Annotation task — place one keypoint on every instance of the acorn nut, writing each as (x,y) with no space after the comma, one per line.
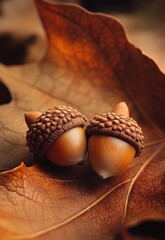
(57,134)
(114,140)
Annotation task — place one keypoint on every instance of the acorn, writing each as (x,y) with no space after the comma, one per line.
(114,139)
(57,135)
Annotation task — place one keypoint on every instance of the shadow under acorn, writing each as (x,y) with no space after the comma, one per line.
(81,173)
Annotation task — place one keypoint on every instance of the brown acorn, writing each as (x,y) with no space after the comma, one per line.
(57,134)
(114,140)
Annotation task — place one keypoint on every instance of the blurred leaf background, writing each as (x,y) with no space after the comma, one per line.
(22,33)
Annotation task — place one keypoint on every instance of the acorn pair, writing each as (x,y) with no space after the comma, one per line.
(62,136)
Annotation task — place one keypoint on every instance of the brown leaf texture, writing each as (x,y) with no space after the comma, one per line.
(90,65)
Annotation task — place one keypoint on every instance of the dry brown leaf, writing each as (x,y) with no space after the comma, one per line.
(89,64)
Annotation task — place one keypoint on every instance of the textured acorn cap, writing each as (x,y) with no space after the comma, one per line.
(118,126)
(50,125)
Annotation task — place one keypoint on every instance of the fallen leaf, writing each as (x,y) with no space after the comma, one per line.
(90,65)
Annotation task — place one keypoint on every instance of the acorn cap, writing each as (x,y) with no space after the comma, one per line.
(50,125)
(119,126)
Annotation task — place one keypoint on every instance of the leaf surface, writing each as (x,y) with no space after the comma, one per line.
(90,65)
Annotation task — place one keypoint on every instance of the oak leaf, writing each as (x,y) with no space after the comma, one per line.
(91,65)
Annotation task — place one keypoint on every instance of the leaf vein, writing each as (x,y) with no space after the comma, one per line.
(72,218)
(136,177)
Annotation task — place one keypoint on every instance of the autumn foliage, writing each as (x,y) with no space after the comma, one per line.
(91,65)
